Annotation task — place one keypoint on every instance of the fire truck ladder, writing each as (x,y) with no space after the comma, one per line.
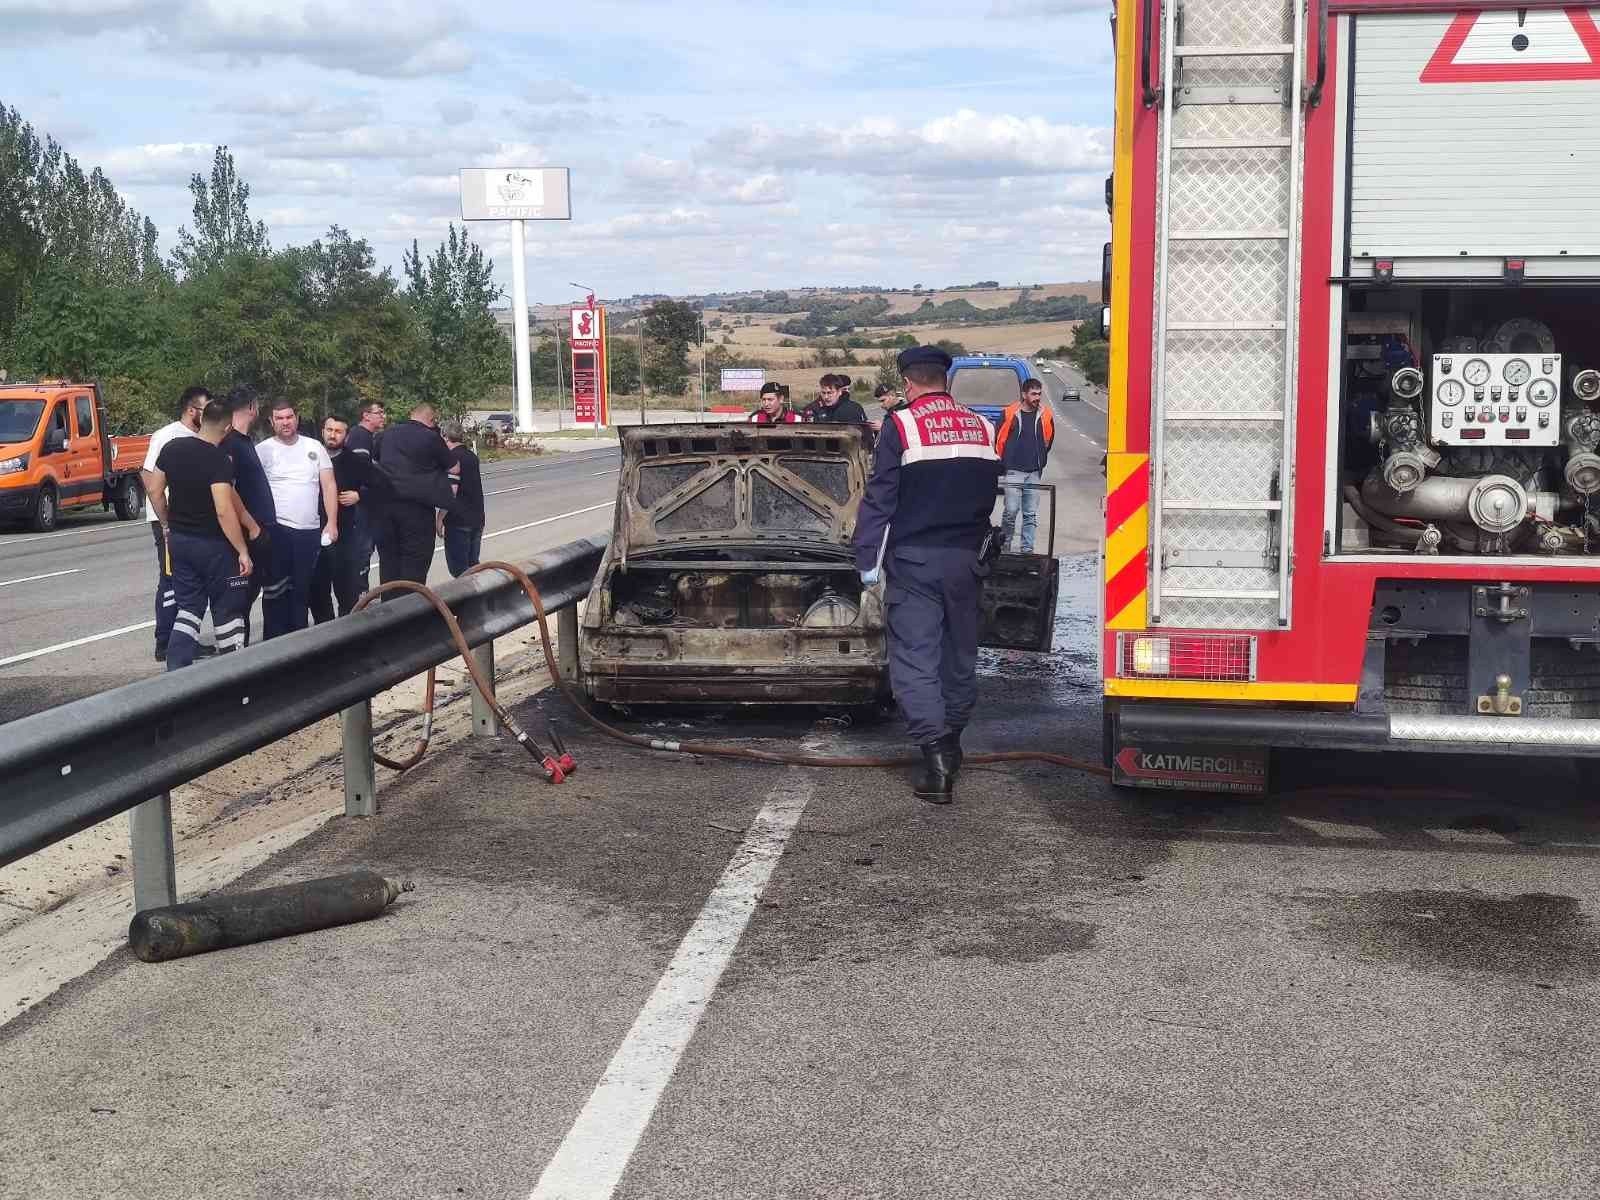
(1222,425)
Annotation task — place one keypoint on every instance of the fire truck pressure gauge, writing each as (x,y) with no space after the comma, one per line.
(1541,392)
(1451,393)
(1476,372)
(1518,372)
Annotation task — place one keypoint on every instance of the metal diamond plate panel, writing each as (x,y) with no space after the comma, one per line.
(1235,122)
(1225,460)
(1231,23)
(1230,189)
(1483,731)
(1217,530)
(1179,613)
(1225,281)
(1224,372)
(1231,73)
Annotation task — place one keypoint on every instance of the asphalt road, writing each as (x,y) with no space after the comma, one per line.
(1382,987)
(703,978)
(92,581)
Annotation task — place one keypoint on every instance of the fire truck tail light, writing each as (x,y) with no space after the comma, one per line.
(1219,658)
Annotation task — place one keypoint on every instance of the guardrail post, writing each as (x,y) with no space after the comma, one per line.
(155,870)
(484,722)
(567,643)
(360,772)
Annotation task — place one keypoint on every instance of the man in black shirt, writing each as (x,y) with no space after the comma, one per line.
(462,526)
(210,564)
(341,572)
(834,406)
(252,492)
(415,468)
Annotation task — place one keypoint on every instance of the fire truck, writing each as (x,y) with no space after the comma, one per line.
(1353,471)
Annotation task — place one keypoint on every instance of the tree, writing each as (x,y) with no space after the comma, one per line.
(54,212)
(889,371)
(671,327)
(623,353)
(222,225)
(460,354)
(1089,352)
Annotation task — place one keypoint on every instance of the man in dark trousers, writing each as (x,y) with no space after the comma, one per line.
(416,466)
(1027,431)
(256,511)
(341,573)
(920,528)
(190,405)
(210,564)
(462,526)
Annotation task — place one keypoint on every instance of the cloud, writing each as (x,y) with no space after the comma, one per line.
(455,110)
(556,91)
(1030,9)
(300,112)
(168,163)
(964,144)
(398,39)
(648,177)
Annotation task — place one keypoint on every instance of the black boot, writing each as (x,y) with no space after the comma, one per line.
(936,782)
(953,740)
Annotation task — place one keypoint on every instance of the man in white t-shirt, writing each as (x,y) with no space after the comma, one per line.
(190,405)
(300,474)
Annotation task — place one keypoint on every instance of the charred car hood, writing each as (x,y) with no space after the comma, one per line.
(739,483)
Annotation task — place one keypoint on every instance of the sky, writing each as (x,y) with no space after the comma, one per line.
(713,146)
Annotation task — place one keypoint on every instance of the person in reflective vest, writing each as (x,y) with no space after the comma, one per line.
(773,408)
(919,530)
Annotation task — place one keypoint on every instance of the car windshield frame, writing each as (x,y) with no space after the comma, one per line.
(13,431)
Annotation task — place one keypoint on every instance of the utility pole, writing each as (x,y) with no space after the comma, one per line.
(519,329)
(702,366)
(640,365)
(561,386)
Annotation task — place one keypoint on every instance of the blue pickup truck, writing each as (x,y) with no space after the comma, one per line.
(988,383)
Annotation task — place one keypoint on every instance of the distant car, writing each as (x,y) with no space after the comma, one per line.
(1070,393)
(1046,371)
(500,423)
(988,383)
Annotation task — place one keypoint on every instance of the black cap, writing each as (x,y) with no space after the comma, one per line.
(771,389)
(924,356)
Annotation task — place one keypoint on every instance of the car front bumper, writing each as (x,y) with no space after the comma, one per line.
(18,501)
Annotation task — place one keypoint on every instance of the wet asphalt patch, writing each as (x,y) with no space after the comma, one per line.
(1533,936)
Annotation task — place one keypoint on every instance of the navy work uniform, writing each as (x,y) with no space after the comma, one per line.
(204,565)
(921,524)
(416,465)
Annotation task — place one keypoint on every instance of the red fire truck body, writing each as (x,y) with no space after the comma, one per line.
(1353,489)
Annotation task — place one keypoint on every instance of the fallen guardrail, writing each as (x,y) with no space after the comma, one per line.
(72,766)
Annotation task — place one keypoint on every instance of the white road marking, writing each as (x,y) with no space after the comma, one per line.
(32,578)
(1337,829)
(1475,837)
(591,1159)
(83,641)
(607,471)
(115,527)
(577,512)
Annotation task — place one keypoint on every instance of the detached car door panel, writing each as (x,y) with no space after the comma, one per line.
(1018,600)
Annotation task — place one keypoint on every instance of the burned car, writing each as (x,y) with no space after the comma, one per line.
(730,579)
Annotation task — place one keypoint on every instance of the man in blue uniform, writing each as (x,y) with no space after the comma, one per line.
(920,527)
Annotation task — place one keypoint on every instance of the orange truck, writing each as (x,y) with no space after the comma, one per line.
(56,455)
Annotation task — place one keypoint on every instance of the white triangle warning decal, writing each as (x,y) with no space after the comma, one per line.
(1519,46)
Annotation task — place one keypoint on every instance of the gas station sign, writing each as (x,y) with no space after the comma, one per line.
(590,400)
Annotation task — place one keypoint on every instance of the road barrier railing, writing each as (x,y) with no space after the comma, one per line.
(73,766)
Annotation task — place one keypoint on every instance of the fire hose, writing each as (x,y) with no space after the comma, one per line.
(559,764)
